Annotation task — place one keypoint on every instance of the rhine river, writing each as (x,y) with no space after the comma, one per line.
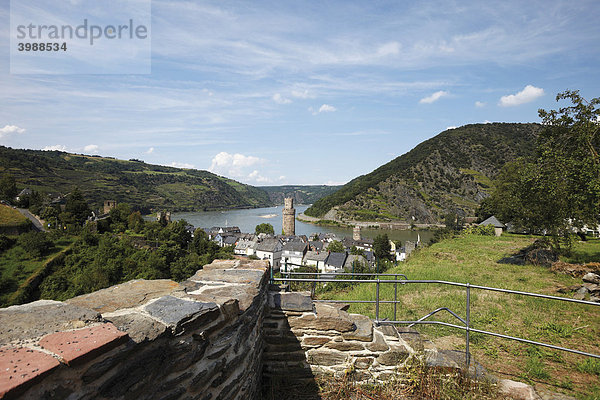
(247,220)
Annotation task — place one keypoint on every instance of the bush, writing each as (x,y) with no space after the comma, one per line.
(483,230)
(36,244)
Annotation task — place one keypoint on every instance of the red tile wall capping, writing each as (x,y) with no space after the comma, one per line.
(83,344)
(20,368)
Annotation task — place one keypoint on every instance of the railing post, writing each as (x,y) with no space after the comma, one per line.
(395,295)
(467,355)
(314,287)
(377,303)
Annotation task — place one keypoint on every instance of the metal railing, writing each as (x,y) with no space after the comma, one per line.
(466,321)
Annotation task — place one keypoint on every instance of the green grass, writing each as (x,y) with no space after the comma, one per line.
(11,217)
(474,259)
(16,266)
(584,252)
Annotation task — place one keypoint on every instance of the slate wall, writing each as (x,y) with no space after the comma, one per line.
(306,339)
(199,339)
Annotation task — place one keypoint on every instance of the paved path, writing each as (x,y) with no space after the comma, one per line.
(37,223)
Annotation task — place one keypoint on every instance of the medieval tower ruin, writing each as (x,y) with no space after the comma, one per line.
(289,217)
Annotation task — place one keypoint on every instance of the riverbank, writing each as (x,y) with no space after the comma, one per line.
(398,225)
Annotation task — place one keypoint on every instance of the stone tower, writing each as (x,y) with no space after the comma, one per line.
(356,233)
(109,205)
(289,217)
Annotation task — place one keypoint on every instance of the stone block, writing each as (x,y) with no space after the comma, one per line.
(20,368)
(592,278)
(379,344)
(125,295)
(345,346)
(40,318)
(246,276)
(363,362)
(326,318)
(517,390)
(83,344)
(325,357)
(315,340)
(139,327)
(224,292)
(363,331)
(395,356)
(176,313)
(291,301)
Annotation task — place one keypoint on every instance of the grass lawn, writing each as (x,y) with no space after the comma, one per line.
(11,217)
(16,266)
(474,259)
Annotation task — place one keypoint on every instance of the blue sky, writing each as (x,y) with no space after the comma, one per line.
(311,92)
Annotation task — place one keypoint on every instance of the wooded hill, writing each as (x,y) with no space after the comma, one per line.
(302,194)
(450,172)
(144,185)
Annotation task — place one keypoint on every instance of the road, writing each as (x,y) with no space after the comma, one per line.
(36,222)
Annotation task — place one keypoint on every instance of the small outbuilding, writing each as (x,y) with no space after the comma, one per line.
(498,226)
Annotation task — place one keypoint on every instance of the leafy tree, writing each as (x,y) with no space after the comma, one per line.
(356,251)
(336,247)
(8,187)
(558,189)
(36,244)
(382,247)
(264,228)
(77,207)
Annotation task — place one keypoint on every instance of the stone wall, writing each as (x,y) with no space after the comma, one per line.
(199,339)
(304,339)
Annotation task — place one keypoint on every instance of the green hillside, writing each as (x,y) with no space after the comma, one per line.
(144,185)
(448,173)
(302,194)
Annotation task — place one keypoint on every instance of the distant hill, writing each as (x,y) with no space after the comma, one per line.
(144,185)
(450,172)
(302,194)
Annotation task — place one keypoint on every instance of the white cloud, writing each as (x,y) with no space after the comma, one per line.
(479,104)
(389,49)
(237,166)
(526,95)
(327,108)
(181,165)
(279,99)
(434,97)
(150,150)
(10,129)
(58,147)
(302,94)
(91,148)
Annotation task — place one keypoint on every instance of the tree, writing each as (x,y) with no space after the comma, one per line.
(382,247)
(558,190)
(8,187)
(77,206)
(264,228)
(336,247)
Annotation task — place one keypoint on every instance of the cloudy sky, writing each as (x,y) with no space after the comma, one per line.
(310,92)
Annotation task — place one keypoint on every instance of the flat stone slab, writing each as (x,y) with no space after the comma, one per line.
(139,327)
(83,344)
(237,264)
(40,318)
(326,318)
(247,276)
(20,368)
(220,294)
(174,312)
(363,331)
(517,390)
(291,301)
(125,295)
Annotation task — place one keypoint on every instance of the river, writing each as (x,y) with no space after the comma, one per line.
(247,219)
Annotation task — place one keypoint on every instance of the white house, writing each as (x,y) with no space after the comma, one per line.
(270,249)
(316,259)
(245,247)
(292,254)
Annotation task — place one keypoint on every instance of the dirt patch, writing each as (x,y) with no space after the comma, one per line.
(575,270)
(445,256)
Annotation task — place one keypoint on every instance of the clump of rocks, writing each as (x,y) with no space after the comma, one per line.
(590,287)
